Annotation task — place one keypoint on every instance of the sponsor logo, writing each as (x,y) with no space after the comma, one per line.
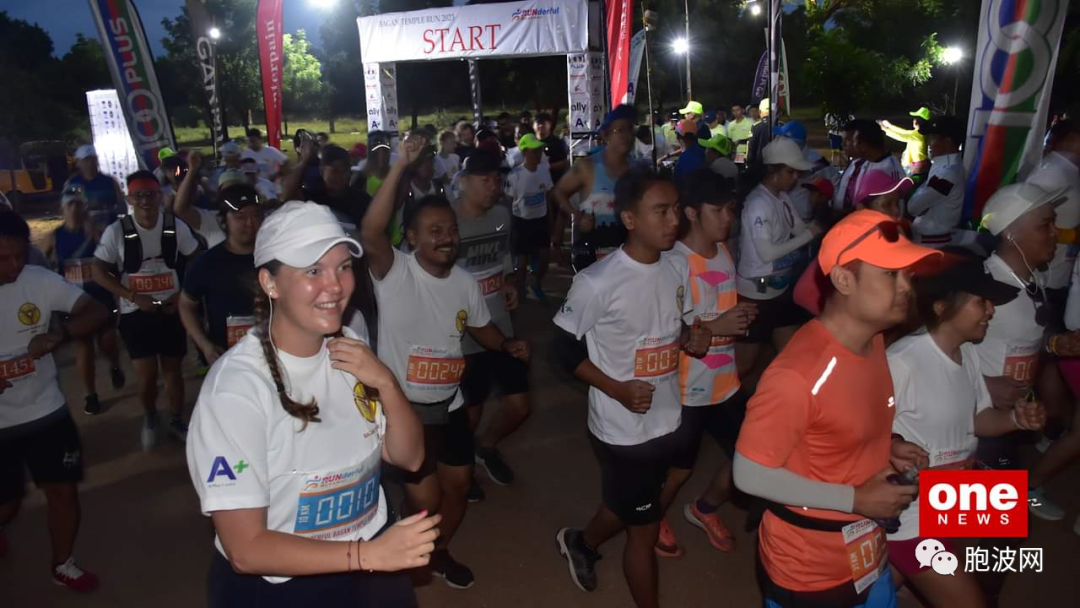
(459,321)
(221,468)
(29,314)
(680,297)
(365,404)
(533,13)
(973,503)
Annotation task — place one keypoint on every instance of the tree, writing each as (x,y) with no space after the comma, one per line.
(301,79)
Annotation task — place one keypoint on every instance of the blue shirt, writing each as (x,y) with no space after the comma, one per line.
(692,159)
(103,205)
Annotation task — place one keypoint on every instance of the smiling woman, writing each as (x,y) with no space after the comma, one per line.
(289,433)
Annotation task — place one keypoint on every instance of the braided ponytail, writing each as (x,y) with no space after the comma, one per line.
(308,412)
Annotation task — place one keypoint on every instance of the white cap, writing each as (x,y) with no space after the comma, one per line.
(299,234)
(230,148)
(1009,203)
(85,151)
(783,151)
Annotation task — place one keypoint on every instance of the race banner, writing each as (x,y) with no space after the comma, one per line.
(619,13)
(783,100)
(268,23)
(204,54)
(637,51)
(1015,58)
(546,27)
(761,79)
(380,91)
(132,69)
(776,15)
(474,93)
(585,81)
(116,156)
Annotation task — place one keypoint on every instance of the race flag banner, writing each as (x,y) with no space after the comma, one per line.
(619,13)
(761,79)
(783,101)
(1015,59)
(204,54)
(268,30)
(112,142)
(380,90)
(585,83)
(637,51)
(552,27)
(132,69)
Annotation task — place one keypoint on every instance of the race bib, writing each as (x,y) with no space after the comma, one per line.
(17,367)
(79,272)
(434,368)
(1021,363)
(655,358)
(952,458)
(237,327)
(337,504)
(492,283)
(154,278)
(865,543)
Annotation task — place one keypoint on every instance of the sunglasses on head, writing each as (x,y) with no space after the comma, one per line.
(889,230)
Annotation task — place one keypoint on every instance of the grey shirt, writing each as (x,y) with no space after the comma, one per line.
(485,253)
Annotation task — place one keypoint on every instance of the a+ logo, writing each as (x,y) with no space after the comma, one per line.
(240,466)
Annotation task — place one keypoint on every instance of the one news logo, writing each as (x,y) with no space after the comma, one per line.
(223,474)
(966,503)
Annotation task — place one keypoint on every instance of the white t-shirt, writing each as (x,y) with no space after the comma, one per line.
(154,278)
(26,306)
(772,218)
(209,228)
(447,166)
(528,190)
(1013,340)
(267,189)
(936,403)
(888,164)
(269,159)
(422,319)
(244,451)
(631,315)
(1057,171)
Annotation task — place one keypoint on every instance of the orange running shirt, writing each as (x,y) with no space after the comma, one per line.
(825,413)
(713,378)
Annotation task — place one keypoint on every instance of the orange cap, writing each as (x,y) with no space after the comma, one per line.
(858,237)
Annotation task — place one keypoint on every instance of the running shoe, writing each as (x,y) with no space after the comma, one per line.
(92,406)
(177,428)
(666,544)
(148,434)
(1042,508)
(456,575)
(117,377)
(719,536)
(476,494)
(496,467)
(73,577)
(579,558)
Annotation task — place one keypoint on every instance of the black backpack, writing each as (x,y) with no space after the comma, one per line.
(133,250)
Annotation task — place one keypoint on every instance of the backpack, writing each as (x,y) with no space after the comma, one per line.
(133,250)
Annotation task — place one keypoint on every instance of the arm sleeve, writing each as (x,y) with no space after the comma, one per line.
(583,307)
(904,135)
(783,486)
(769,251)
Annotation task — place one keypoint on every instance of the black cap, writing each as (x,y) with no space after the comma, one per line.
(967,274)
(949,126)
(238,196)
(481,163)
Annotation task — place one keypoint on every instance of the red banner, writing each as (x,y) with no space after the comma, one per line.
(619,13)
(268,29)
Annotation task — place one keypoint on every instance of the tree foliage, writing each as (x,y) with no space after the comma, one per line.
(302,84)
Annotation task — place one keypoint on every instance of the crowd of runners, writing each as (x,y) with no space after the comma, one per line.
(831,323)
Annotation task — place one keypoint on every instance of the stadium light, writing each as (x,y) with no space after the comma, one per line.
(214,33)
(755,8)
(681,46)
(952,54)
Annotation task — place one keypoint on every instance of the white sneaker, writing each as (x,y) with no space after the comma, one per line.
(148,435)
(1042,508)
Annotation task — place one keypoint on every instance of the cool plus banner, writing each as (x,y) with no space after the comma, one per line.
(557,27)
(132,69)
(268,30)
(1010,96)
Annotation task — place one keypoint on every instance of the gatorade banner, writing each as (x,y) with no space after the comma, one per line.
(619,13)
(268,30)
(503,29)
(204,55)
(132,69)
(1015,59)
(637,52)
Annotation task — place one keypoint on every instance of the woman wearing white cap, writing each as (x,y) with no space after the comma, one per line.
(289,432)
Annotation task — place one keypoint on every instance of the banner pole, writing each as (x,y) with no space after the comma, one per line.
(648,81)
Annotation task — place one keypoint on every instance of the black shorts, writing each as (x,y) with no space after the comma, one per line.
(147,334)
(450,444)
(529,235)
(632,477)
(106,299)
(488,368)
(781,311)
(49,447)
(721,420)
(225,588)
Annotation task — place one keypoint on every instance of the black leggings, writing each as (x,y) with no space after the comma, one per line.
(227,589)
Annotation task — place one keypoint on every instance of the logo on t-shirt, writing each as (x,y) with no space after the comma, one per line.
(680,297)
(459,322)
(221,468)
(29,314)
(367,406)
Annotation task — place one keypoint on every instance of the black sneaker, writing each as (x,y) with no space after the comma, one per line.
(476,494)
(117,377)
(496,467)
(580,559)
(456,575)
(93,406)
